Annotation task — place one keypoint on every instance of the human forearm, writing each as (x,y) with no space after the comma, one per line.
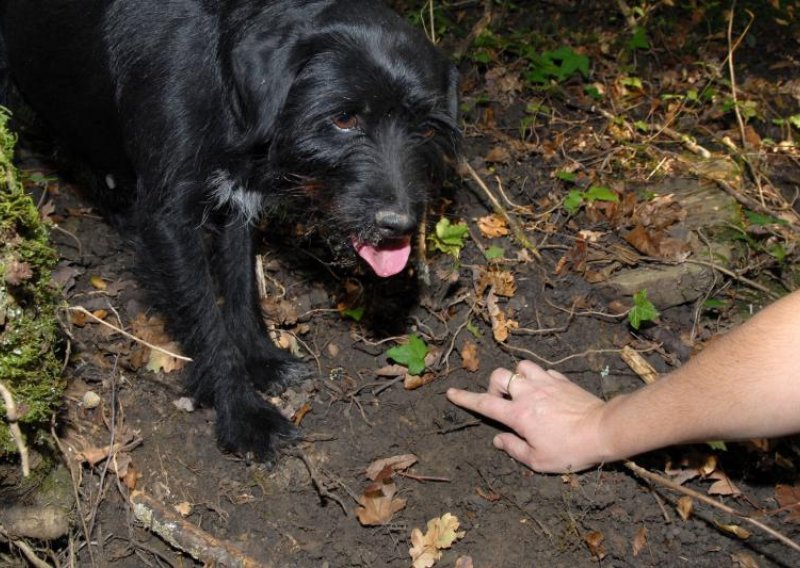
(745,384)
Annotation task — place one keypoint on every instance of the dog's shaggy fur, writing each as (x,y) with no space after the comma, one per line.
(198,115)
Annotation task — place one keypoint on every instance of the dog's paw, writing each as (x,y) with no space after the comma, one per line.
(272,377)
(254,428)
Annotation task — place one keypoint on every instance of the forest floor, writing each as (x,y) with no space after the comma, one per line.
(607,153)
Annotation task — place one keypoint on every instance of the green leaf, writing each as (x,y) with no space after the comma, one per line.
(493,252)
(593,92)
(451,234)
(600,193)
(642,310)
(718,445)
(411,354)
(573,201)
(642,126)
(761,220)
(473,329)
(639,39)
(632,82)
(449,238)
(354,313)
(778,251)
(714,304)
(566,176)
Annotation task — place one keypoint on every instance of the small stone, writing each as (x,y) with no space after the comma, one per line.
(184,403)
(91,399)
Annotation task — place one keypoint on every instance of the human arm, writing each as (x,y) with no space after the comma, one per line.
(745,384)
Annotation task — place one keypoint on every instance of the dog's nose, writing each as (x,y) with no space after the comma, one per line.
(394,222)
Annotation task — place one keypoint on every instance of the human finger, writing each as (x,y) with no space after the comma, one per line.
(488,405)
(498,381)
(515,447)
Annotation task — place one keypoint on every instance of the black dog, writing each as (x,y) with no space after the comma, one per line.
(216,111)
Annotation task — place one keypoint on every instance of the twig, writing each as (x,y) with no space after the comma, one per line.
(549,363)
(655,478)
(318,485)
(13,426)
(639,364)
(27,551)
(461,426)
(187,537)
(516,229)
(423,478)
(732,274)
(87,313)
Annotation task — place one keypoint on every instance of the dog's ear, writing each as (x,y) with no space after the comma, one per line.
(262,72)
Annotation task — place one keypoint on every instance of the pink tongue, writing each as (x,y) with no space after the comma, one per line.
(386,259)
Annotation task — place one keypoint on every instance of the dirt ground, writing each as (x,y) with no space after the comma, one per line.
(564,313)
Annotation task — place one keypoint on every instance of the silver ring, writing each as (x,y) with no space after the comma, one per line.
(511,378)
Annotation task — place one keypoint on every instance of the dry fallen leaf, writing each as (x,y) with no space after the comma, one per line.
(501,281)
(685,507)
(184,509)
(498,154)
(493,226)
(378,504)
(594,540)
(395,463)
(151,329)
(788,498)
(723,485)
(98,283)
(411,382)
(639,541)
(464,562)
(501,324)
(469,356)
(735,530)
(426,548)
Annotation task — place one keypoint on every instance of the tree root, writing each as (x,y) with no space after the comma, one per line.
(187,537)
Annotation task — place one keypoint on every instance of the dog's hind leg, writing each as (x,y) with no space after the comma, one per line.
(270,368)
(176,268)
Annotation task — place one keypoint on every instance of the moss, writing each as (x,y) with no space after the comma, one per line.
(28,303)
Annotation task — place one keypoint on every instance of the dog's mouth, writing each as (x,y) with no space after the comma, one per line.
(387,257)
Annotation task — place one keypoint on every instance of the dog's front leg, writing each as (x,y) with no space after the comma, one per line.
(177,271)
(270,368)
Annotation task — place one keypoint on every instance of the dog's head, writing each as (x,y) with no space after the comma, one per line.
(354,111)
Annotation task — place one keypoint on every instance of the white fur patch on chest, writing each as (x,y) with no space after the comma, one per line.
(226,193)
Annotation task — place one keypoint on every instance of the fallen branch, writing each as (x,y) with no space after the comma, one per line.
(13,426)
(516,229)
(655,478)
(187,537)
(87,313)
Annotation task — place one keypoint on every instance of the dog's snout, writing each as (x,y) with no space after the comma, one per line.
(394,222)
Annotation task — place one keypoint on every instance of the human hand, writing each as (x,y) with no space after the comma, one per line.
(557,423)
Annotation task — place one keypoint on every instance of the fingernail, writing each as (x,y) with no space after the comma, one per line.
(498,443)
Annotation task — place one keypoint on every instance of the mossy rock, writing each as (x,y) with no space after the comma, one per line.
(28,303)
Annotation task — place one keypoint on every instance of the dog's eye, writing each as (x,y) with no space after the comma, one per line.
(426,132)
(345,121)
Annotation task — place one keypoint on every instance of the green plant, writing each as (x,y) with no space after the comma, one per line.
(410,354)
(643,310)
(449,238)
(577,198)
(556,65)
